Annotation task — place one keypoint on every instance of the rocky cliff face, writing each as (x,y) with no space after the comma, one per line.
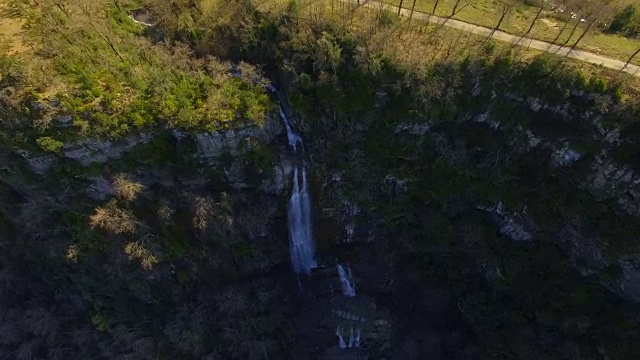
(408,213)
(470,208)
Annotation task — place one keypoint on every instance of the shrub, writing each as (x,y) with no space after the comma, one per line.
(114,219)
(598,85)
(490,47)
(387,18)
(126,188)
(49,144)
(580,80)
(137,250)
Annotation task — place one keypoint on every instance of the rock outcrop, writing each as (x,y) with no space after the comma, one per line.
(92,151)
(212,145)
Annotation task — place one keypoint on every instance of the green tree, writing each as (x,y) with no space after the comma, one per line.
(626,22)
(49,144)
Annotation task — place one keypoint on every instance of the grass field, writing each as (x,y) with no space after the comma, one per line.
(487,13)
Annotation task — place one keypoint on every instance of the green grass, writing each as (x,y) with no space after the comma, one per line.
(487,13)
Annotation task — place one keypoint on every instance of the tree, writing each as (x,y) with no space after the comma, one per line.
(574,7)
(595,12)
(626,21)
(543,4)
(413,7)
(630,59)
(458,6)
(506,6)
(435,6)
(400,6)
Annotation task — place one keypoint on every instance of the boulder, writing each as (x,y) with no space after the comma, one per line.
(586,253)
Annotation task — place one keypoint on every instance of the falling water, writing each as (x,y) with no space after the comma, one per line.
(294,139)
(299,214)
(301,241)
(354,338)
(348,285)
(342,344)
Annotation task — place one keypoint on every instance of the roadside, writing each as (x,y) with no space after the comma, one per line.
(518,40)
(550,26)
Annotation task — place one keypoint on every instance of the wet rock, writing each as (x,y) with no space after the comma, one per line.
(280,177)
(350,211)
(100,189)
(64,121)
(179,134)
(515,226)
(477,90)
(611,180)
(565,156)
(532,140)
(39,164)
(413,128)
(486,118)
(534,104)
(630,282)
(586,253)
(381,98)
(395,186)
(236,175)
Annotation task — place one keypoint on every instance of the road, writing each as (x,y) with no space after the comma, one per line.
(503,36)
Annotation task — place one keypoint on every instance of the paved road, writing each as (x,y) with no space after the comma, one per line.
(503,36)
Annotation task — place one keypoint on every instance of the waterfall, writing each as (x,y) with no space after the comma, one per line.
(348,285)
(299,215)
(294,139)
(354,338)
(301,241)
(342,344)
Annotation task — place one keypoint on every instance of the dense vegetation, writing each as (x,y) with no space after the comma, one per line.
(626,22)
(180,262)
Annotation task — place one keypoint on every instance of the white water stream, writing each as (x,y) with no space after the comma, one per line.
(301,242)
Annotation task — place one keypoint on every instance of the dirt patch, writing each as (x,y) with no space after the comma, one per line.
(550,23)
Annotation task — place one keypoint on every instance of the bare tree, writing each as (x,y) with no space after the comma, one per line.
(413,7)
(597,11)
(458,6)
(543,4)
(569,6)
(435,6)
(630,59)
(506,6)
(400,6)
